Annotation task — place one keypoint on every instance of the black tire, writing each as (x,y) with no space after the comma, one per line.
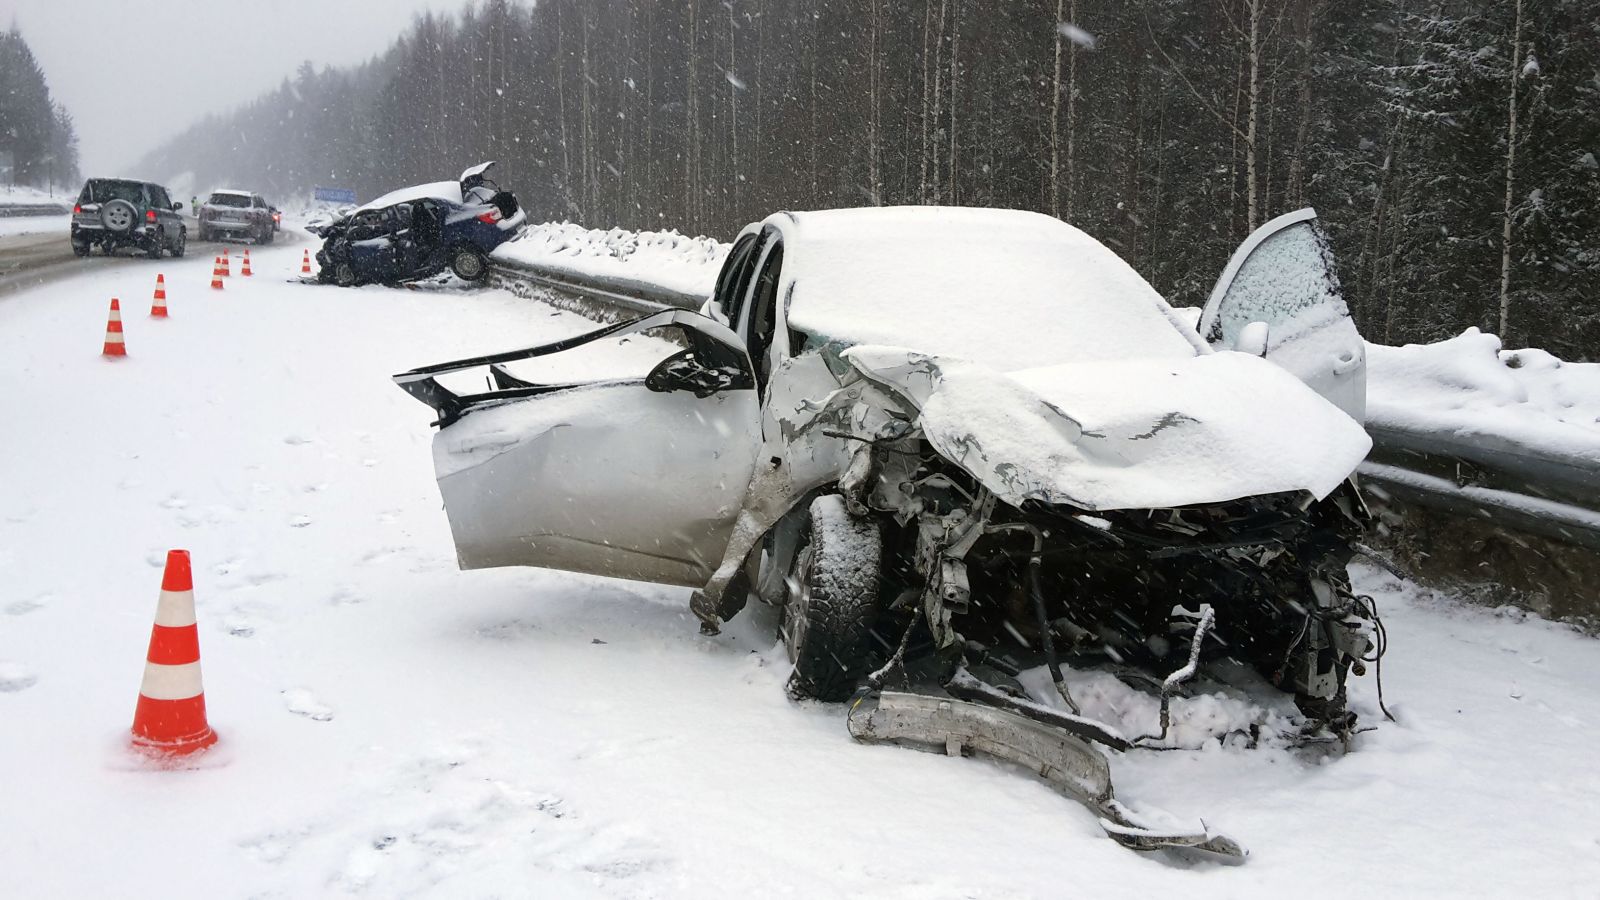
(344,274)
(153,249)
(181,244)
(80,249)
(832,601)
(266,236)
(468,263)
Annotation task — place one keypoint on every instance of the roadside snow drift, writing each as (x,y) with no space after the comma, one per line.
(685,265)
(1469,387)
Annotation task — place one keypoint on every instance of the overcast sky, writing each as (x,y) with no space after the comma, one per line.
(133,72)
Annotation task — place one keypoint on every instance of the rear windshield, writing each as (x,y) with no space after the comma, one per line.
(229,200)
(103,191)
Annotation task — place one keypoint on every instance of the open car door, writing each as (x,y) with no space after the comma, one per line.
(637,478)
(1279,297)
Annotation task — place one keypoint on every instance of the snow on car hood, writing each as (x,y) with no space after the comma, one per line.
(448,191)
(1126,434)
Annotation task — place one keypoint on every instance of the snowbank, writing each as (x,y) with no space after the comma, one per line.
(1467,387)
(681,264)
(56,222)
(20,195)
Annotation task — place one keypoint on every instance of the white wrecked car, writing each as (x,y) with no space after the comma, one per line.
(964,435)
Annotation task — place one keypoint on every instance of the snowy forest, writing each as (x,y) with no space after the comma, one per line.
(36,133)
(1449,145)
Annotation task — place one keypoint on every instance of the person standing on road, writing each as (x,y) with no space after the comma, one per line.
(194,206)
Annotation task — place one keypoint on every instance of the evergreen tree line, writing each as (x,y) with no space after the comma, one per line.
(35,131)
(1449,145)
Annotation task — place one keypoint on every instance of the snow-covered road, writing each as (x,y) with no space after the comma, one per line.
(394,727)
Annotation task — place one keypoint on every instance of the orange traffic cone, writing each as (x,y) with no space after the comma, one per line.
(216,275)
(305,263)
(114,345)
(227,267)
(158,308)
(171,715)
(244,268)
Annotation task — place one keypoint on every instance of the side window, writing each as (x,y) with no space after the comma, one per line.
(158,197)
(764,314)
(735,274)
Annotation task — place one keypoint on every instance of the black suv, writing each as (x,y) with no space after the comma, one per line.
(117,212)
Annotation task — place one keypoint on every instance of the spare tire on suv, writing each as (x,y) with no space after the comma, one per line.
(119,212)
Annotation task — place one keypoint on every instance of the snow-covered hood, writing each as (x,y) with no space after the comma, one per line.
(1126,434)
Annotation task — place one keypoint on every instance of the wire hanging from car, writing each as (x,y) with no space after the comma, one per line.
(1380,648)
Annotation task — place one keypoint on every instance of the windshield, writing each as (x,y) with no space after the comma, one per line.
(103,191)
(229,200)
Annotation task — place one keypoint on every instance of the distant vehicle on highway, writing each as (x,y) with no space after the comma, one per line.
(237,214)
(118,212)
(418,232)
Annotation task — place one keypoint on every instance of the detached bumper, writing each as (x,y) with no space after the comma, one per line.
(1069,765)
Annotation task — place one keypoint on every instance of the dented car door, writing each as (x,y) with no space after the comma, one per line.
(637,478)
(1279,297)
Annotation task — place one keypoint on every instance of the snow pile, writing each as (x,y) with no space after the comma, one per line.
(14,225)
(1470,388)
(676,262)
(21,195)
(1203,715)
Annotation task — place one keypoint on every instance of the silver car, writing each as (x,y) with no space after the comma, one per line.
(956,435)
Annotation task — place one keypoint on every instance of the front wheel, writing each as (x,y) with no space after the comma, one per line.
(154,250)
(344,274)
(468,264)
(831,601)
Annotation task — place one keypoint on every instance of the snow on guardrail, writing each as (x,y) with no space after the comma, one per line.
(662,267)
(1470,391)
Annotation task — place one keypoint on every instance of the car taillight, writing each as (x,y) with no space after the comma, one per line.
(490,217)
(77,208)
(149,215)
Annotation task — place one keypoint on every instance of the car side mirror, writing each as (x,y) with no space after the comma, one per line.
(683,371)
(177,206)
(1252,339)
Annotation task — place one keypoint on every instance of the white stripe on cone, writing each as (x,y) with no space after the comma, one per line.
(171,682)
(114,337)
(175,609)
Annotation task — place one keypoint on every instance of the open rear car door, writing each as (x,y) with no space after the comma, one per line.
(637,478)
(1280,298)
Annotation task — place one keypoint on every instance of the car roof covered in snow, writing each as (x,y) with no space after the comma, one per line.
(236,193)
(1007,288)
(448,191)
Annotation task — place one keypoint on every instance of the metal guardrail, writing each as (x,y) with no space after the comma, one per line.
(34,209)
(624,295)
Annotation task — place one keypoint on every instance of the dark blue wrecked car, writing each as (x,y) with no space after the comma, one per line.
(418,232)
